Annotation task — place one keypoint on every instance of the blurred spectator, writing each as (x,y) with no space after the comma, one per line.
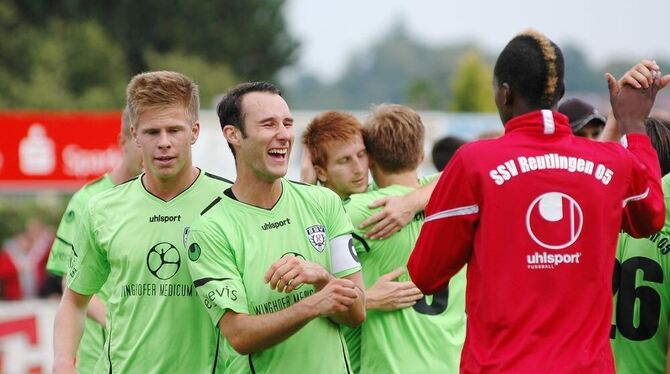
(586,121)
(23,260)
(444,149)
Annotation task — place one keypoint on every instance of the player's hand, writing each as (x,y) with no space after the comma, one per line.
(398,211)
(336,297)
(640,76)
(388,295)
(307,171)
(290,272)
(630,105)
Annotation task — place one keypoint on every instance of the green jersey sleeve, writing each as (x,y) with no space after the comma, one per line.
(61,250)
(344,260)
(214,271)
(89,269)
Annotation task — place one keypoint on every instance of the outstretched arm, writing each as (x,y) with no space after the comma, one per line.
(398,211)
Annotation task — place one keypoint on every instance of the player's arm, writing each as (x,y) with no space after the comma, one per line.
(96,308)
(445,242)
(252,333)
(644,208)
(387,294)
(288,273)
(68,329)
(398,211)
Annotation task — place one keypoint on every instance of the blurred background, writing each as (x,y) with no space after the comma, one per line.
(64,66)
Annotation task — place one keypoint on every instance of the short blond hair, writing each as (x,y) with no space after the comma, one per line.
(161,90)
(393,137)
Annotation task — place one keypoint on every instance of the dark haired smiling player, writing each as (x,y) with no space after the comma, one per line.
(273,260)
(535,215)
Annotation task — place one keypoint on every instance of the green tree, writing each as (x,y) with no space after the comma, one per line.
(472,89)
(249,36)
(212,78)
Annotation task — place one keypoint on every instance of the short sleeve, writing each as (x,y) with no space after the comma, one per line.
(214,271)
(344,260)
(61,250)
(89,267)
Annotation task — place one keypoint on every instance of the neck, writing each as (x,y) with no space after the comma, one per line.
(407,178)
(121,173)
(168,188)
(253,190)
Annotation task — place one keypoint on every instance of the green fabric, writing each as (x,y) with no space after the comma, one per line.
(92,341)
(136,242)
(642,300)
(232,247)
(409,340)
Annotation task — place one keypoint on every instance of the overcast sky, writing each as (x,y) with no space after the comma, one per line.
(331,30)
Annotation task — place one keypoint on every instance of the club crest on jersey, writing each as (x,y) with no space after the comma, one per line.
(317,237)
(185,237)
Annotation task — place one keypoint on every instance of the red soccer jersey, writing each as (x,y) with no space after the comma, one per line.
(535,214)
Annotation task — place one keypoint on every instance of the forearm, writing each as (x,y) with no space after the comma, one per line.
(96,311)
(68,329)
(355,314)
(421,195)
(252,333)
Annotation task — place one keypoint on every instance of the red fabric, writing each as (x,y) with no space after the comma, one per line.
(527,312)
(9,278)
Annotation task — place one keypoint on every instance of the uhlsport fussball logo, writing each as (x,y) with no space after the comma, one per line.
(554,220)
(163,260)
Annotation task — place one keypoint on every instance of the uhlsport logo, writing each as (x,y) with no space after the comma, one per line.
(554,220)
(317,237)
(163,260)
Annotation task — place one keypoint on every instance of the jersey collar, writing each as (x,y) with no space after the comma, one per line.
(540,122)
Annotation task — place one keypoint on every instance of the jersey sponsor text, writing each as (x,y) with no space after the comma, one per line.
(546,260)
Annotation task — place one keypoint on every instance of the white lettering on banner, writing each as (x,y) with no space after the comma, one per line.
(26,335)
(550,161)
(81,162)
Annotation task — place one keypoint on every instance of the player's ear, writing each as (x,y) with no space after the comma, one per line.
(133,134)
(232,134)
(320,174)
(195,132)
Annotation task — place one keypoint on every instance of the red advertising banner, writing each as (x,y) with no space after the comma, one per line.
(42,150)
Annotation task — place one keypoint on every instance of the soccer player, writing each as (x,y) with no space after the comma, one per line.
(133,235)
(428,337)
(639,333)
(641,286)
(339,161)
(335,156)
(535,215)
(61,255)
(273,260)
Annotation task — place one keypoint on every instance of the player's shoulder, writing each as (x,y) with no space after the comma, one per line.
(309,192)
(216,179)
(110,196)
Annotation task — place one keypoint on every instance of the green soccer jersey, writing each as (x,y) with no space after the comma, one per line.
(234,244)
(642,299)
(91,345)
(425,338)
(136,242)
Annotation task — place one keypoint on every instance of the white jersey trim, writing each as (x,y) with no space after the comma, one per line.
(548,119)
(461,211)
(635,198)
(343,254)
